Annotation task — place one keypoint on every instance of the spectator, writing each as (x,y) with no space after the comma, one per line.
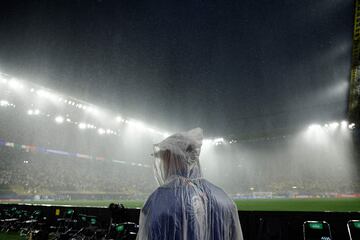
(186,206)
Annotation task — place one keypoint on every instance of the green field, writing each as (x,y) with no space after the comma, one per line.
(314,204)
(10,236)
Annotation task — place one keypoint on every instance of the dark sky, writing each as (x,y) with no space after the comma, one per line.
(231,67)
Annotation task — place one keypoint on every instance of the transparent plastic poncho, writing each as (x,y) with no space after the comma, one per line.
(186,206)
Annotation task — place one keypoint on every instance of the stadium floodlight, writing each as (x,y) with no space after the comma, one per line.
(4,103)
(344,124)
(252,188)
(14,84)
(218,141)
(46,94)
(33,112)
(352,126)
(207,141)
(119,119)
(92,110)
(118,161)
(52,95)
(59,119)
(101,131)
(294,187)
(3,80)
(314,127)
(136,124)
(334,125)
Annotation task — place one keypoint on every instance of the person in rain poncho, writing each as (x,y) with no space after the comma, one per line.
(186,206)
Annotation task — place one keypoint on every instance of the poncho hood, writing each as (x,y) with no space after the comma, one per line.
(178,156)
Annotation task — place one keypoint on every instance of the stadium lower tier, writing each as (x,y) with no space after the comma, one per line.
(117,222)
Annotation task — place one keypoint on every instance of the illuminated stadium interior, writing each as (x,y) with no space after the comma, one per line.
(105,148)
(124,120)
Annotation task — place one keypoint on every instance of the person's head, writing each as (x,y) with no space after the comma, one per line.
(178,155)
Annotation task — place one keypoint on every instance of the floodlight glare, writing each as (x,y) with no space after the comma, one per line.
(101,131)
(344,124)
(218,141)
(59,119)
(207,141)
(151,130)
(314,127)
(30,112)
(4,103)
(334,125)
(352,126)
(14,84)
(3,80)
(46,94)
(119,119)
(82,125)
(138,125)
(92,110)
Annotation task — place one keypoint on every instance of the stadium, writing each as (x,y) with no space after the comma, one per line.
(68,166)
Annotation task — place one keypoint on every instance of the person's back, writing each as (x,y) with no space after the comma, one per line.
(186,206)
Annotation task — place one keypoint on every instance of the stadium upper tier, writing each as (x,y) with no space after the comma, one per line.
(73,111)
(39,99)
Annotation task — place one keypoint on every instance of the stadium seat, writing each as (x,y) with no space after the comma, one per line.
(353,227)
(316,230)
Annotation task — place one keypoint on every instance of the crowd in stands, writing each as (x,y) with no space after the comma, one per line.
(46,174)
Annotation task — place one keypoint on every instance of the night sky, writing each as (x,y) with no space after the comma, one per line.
(230,67)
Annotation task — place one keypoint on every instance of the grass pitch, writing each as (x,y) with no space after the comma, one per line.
(307,205)
(10,236)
